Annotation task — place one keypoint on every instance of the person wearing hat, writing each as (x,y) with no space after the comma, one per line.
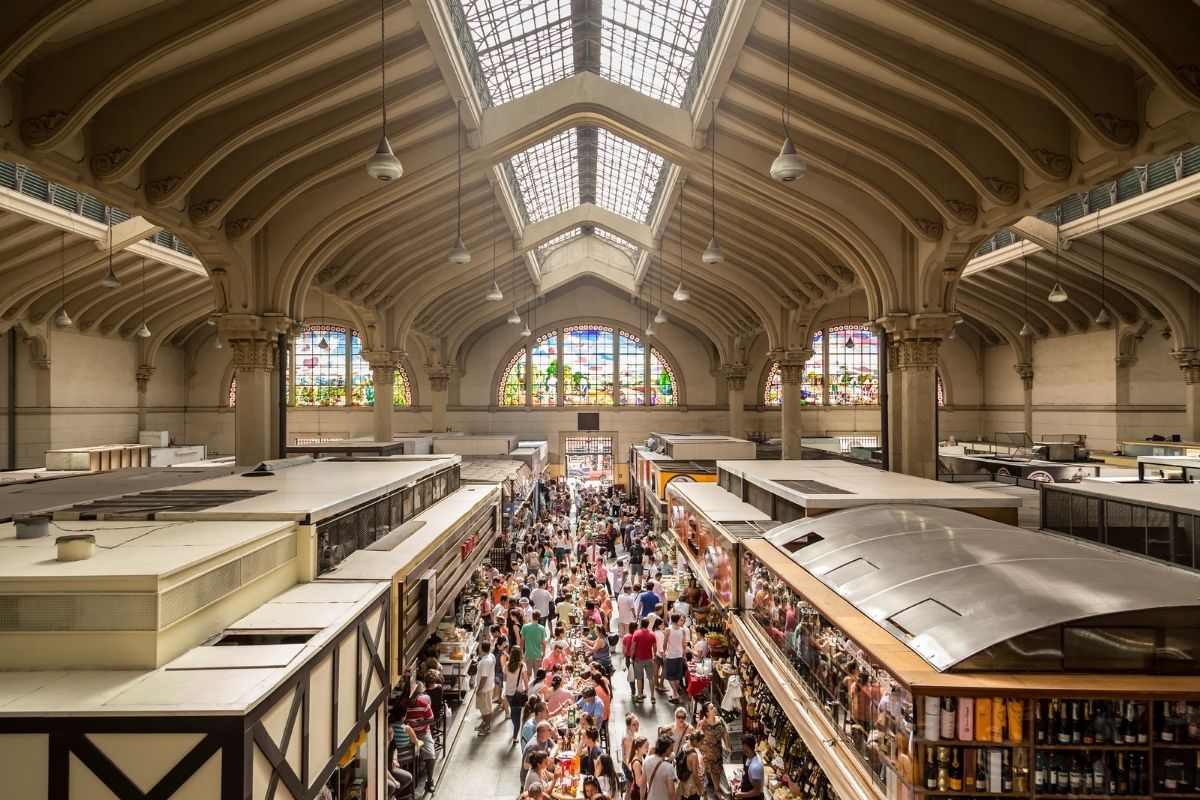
(526,609)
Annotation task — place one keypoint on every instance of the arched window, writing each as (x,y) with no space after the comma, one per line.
(843,369)
(588,364)
(325,359)
(231,398)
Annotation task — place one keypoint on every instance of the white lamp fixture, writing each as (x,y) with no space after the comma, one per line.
(953,334)
(1026,329)
(788,166)
(459,254)
(650,329)
(681,294)
(143,332)
(525,332)
(217,343)
(494,295)
(713,254)
(660,318)
(514,318)
(383,164)
(1103,318)
(63,319)
(1057,294)
(110,279)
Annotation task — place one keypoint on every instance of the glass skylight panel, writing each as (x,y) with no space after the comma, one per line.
(521,46)
(650,46)
(620,241)
(547,176)
(627,176)
(550,245)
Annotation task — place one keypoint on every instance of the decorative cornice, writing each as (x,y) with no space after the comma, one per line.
(735,376)
(965,212)
(439,377)
(143,377)
(1056,164)
(1189,362)
(157,191)
(1123,131)
(107,163)
(1025,371)
(38,129)
(204,210)
(237,228)
(791,364)
(929,227)
(1007,191)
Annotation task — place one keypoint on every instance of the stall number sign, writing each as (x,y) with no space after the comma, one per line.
(468,546)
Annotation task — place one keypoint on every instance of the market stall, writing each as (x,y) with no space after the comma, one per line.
(925,652)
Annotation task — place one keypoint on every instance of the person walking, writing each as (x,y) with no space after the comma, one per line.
(485,684)
(674,646)
(689,769)
(643,661)
(516,689)
(533,636)
(713,747)
(659,773)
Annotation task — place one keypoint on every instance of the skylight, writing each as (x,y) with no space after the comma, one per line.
(547,177)
(620,242)
(651,46)
(586,165)
(629,247)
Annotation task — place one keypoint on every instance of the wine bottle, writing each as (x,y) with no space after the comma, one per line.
(1162,719)
(1064,724)
(1039,773)
(1076,724)
(1170,775)
(1086,720)
(956,771)
(966,719)
(1099,783)
(1135,774)
(931,782)
(947,718)
(1100,722)
(980,772)
(1006,775)
(1111,775)
(1193,725)
(1141,724)
(1075,777)
(1122,775)
(983,719)
(1039,721)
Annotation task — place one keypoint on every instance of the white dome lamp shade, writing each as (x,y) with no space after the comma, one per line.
(788,166)
(63,319)
(494,295)
(660,318)
(514,318)
(681,294)
(459,254)
(383,164)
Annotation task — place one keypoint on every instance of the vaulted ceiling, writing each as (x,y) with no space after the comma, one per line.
(583,126)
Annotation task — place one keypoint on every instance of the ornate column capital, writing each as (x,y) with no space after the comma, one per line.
(439,377)
(928,325)
(143,377)
(791,364)
(254,338)
(1025,370)
(915,353)
(735,376)
(382,358)
(1189,362)
(254,354)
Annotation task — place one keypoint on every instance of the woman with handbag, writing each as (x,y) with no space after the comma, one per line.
(516,689)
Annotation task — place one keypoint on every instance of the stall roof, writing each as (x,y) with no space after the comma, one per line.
(949,584)
(1181,497)
(494,470)
(840,484)
(206,680)
(717,504)
(311,492)
(64,489)
(438,519)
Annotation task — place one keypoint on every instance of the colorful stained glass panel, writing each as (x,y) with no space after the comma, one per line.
(662,381)
(512,382)
(632,366)
(543,370)
(853,365)
(320,376)
(587,365)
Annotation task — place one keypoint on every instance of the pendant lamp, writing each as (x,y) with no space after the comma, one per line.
(322,343)
(513,317)
(110,279)
(681,295)
(525,332)
(788,166)
(143,332)
(217,343)
(383,164)
(1103,318)
(713,254)
(649,325)
(1026,329)
(660,318)
(494,295)
(1058,294)
(849,343)
(459,254)
(63,319)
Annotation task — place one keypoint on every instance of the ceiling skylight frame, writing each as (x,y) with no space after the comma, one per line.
(546,176)
(627,176)
(517,47)
(651,46)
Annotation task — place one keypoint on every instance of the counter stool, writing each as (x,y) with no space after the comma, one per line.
(406,759)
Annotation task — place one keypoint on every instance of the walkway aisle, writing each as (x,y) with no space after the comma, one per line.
(487,768)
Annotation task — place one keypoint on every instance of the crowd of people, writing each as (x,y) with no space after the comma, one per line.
(583,601)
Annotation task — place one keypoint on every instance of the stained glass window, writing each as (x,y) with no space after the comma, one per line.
(662,381)
(814,373)
(232,398)
(632,366)
(401,388)
(320,372)
(853,357)
(587,365)
(512,382)
(362,384)
(544,370)
(773,390)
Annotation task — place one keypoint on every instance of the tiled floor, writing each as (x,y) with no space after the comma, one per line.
(488,768)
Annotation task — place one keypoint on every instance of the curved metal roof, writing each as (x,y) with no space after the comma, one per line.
(950,584)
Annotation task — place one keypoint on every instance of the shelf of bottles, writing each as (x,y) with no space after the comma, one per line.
(1076,748)
(793,765)
(871,711)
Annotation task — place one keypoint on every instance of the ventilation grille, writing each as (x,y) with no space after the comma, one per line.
(84,612)
(814,487)
(206,589)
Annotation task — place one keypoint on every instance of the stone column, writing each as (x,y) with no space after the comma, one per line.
(1025,370)
(895,411)
(916,360)
(735,382)
(791,375)
(383,377)
(254,342)
(1189,363)
(439,383)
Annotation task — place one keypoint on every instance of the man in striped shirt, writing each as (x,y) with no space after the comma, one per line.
(418,715)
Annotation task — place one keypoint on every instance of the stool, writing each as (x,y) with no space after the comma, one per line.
(406,759)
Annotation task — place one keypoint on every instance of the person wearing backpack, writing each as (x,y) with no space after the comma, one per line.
(689,770)
(659,773)
(635,560)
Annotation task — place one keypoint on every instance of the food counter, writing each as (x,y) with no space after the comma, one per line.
(927,653)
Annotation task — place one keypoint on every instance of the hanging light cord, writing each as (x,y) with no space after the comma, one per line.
(681,234)
(1025,301)
(1057,246)
(143,291)
(62,264)
(712,167)
(494,240)
(1102,267)
(382,67)
(786,115)
(460,126)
